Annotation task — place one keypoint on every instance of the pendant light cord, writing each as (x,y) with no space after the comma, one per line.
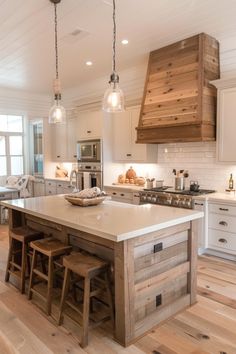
(114,37)
(56,46)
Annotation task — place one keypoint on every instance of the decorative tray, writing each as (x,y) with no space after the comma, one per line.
(85,201)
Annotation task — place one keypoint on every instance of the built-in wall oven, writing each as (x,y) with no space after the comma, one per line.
(87,175)
(89,151)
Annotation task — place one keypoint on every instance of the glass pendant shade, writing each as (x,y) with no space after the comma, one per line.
(113,100)
(57,113)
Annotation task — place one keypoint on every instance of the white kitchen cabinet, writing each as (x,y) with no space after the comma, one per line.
(202,223)
(124,194)
(72,137)
(39,188)
(59,142)
(222,227)
(50,187)
(63,187)
(226,122)
(124,136)
(89,125)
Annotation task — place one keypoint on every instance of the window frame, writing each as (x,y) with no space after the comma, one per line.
(7,135)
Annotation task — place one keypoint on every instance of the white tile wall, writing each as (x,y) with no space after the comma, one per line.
(199,159)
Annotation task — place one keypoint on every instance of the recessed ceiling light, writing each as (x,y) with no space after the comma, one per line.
(124,41)
(89,63)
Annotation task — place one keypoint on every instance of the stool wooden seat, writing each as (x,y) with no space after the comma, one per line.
(86,267)
(51,248)
(19,239)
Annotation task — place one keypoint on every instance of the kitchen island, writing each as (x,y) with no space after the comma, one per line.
(152,249)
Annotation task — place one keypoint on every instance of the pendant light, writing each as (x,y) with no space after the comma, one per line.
(113,100)
(57,113)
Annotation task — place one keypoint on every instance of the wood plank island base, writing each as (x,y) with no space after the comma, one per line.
(152,249)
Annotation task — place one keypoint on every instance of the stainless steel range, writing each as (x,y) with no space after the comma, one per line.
(169,196)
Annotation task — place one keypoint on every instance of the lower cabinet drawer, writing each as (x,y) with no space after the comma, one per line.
(222,222)
(50,190)
(68,189)
(222,241)
(223,209)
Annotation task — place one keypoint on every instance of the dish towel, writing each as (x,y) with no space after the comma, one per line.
(86,176)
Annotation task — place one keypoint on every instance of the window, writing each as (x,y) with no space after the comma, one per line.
(11,145)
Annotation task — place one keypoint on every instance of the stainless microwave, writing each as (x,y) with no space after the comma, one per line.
(89,150)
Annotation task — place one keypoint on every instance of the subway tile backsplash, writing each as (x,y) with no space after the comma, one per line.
(199,158)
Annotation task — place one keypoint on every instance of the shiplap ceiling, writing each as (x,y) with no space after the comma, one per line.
(27,41)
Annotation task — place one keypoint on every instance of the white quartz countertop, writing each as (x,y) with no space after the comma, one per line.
(110,220)
(8,190)
(125,187)
(58,179)
(224,197)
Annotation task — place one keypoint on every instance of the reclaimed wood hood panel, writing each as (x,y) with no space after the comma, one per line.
(179,104)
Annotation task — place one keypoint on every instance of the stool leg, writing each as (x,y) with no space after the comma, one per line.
(65,289)
(50,285)
(23,266)
(84,340)
(7,275)
(34,259)
(109,294)
(43,263)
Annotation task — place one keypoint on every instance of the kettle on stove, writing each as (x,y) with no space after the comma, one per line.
(194,186)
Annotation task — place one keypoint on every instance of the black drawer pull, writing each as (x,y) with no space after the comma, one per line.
(114,193)
(88,131)
(222,240)
(158,247)
(223,223)
(158,300)
(122,195)
(74,155)
(198,203)
(223,209)
(58,156)
(128,155)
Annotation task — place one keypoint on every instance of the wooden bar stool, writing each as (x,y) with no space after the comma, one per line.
(87,267)
(53,249)
(19,239)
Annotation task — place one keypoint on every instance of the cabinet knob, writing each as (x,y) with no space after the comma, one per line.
(128,155)
(74,155)
(223,223)
(222,240)
(58,156)
(224,209)
(114,193)
(88,131)
(122,195)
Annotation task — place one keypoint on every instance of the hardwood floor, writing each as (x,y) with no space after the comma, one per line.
(207,327)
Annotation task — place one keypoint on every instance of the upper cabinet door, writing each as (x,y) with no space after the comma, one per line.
(226,127)
(139,151)
(59,142)
(122,144)
(72,140)
(124,139)
(89,125)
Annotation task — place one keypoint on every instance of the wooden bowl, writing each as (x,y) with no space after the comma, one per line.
(85,201)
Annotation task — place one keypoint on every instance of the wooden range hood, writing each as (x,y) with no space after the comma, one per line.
(179,104)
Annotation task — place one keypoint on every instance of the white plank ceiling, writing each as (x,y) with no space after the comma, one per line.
(27,47)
